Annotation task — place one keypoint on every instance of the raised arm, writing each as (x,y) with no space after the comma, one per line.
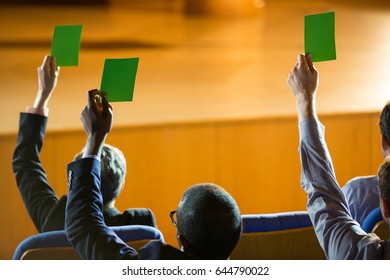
(84,224)
(339,235)
(303,82)
(47,80)
(38,196)
(97,121)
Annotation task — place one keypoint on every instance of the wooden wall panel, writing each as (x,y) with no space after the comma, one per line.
(11,205)
(66,146)
(15,222)
(350,144)
(260,161)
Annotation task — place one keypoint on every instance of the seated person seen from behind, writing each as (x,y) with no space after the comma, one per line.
(362,193)
(208,224)
(45,209)
(339,235)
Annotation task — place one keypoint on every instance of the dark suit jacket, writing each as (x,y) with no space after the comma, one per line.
(45,209)
(85,226)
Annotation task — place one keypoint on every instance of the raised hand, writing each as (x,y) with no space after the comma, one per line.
(303,82)
(97,121)
(48,74)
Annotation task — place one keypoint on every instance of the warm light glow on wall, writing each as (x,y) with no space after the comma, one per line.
(259,3)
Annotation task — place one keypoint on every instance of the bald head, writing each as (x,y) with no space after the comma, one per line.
(209,219)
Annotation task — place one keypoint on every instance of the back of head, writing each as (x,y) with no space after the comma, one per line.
(112,174)
(384,179)
(209,219)
(384,121)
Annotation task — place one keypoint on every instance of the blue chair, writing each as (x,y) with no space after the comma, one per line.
(275,222)
(279,236)
(54,245)
(374,223)
(374,217)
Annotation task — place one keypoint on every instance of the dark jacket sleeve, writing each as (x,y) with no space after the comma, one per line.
(84,222)
(132,216)
(38,196)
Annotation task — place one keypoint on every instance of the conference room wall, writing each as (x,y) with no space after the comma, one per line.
(257,161)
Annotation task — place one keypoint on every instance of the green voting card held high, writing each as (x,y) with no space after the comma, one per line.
(119,78)
(66,44)
(320,36)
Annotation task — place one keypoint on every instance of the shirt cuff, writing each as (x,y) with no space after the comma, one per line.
(38,111)
(92,156)
(311,127)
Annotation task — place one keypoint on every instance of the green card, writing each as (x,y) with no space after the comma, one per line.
(320,36)
(119,78)
(66,44)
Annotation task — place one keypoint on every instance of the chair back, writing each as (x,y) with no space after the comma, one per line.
(374,223)
(54,245)
(280,236)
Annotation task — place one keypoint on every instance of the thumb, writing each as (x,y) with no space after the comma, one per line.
(92,100)
(309,60)
(106,105)
(301,59)
(53,66)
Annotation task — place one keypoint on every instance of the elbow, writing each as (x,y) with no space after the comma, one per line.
(15,165)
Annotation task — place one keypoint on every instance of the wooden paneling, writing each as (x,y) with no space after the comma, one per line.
(15,223)
(65,146)
(350,143)
(260,161)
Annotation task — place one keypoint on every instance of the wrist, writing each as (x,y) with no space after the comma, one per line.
(304,98)
(42,99)
(306,108)
(38,111)
(94,144)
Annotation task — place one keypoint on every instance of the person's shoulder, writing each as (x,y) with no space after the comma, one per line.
(360,187)
(131,216)
(140,216)
(157,250)
(362,181)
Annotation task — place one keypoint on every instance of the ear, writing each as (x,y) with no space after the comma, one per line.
(384,143)
(184,244)
(385,207)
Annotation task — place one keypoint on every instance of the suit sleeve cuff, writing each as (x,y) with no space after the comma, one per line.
(38,111)
(92,156)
